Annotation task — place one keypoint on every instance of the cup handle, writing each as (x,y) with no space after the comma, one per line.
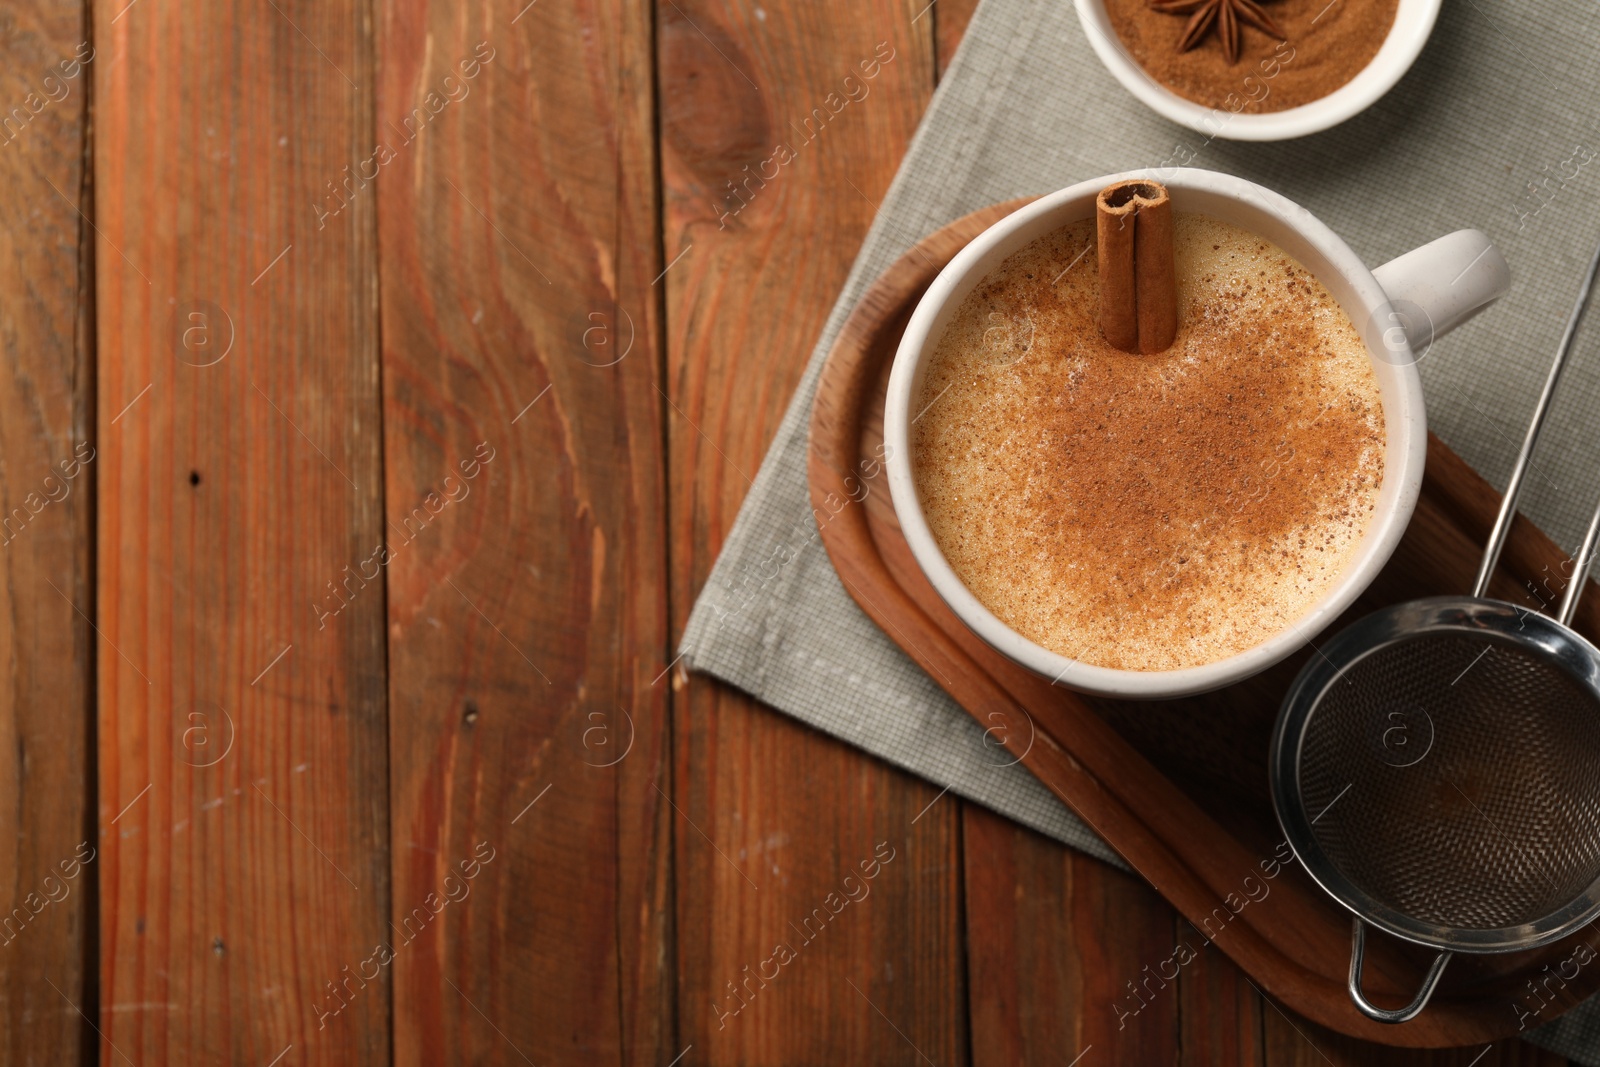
(1430,982)
(1435,288)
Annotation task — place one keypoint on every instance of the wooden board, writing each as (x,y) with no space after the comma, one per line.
(527,615)
(243,806)
(1174,786)
(46,498)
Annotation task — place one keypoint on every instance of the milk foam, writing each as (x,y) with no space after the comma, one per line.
(1150,512)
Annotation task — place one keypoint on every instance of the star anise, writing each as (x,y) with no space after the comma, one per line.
(1224,15)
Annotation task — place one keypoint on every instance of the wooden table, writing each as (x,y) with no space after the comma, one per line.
(380,384)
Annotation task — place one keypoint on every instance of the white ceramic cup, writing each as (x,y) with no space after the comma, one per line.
(1413,22)
(1399,308)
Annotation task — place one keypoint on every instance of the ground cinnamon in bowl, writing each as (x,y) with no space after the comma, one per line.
(1323,46)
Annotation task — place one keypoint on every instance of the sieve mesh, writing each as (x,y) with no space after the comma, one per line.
(1456,780)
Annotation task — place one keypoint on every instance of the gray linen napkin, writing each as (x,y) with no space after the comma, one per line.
(1492,128)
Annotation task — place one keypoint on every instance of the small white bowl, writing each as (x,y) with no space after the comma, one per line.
(1413,22)
(1399,309)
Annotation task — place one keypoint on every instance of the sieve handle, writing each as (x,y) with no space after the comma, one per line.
(1430,982)
(1508,505)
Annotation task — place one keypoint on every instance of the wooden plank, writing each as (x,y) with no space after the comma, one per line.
(1291,1041)
(527,619)
(243,812)
(46,487)
(850,913)
(774,817)
(1219,1009)
(1065,954)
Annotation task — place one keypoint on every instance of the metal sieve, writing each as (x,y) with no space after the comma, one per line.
(1436,767)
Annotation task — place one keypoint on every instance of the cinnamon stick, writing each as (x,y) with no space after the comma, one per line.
(1138,278)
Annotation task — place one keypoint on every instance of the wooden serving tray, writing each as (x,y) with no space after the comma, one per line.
(1179,788)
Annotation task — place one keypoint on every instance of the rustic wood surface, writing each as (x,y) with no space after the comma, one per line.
(527,620)
(410,361)
(242,741)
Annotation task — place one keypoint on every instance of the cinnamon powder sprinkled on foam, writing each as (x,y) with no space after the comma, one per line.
(1150,512)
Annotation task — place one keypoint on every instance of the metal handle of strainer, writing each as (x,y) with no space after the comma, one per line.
(1430,981)
(1508,504)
